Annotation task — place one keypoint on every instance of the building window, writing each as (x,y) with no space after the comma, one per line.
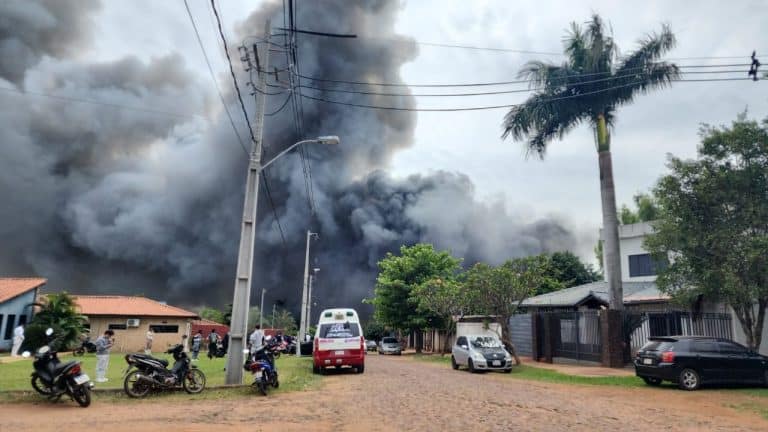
(9,326)
(117,327)
(644,265)
(22,319)
(164,328)
(1,321)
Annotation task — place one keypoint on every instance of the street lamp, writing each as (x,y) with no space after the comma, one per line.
(242,293)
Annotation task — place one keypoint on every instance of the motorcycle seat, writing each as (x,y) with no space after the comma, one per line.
(61,367)
(164,362)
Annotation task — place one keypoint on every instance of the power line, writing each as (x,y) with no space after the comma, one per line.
(490,107)
(285,103)
(272,204)
(213,77)
(100,103)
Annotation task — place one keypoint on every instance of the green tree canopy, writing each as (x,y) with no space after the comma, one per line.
(212,314)
(399,275)
(565,270)
(444,298)
(59,312)
(713,223)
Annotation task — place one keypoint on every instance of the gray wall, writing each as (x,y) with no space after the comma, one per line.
(16,306)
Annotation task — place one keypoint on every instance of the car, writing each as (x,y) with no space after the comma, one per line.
(480,352)
(371,345)
(339,341)
(390,345)
(690,361)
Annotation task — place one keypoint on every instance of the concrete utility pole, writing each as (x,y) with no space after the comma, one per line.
(312,278)
(261,309)
(242,296)
(303,321)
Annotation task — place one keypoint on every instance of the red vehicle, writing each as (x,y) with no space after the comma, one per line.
(339,341)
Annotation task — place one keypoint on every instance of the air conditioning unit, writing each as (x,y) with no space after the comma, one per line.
(133,322)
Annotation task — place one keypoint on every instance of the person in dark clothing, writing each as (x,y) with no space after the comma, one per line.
(225,342)
(213,339)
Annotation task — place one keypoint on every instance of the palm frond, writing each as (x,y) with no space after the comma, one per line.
(649,50)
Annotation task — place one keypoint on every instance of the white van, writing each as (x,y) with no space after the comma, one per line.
(339,341)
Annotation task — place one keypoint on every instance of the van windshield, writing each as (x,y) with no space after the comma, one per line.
(339,330)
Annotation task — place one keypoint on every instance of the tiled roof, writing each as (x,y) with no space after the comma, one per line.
(13,287)
(633,292)
(128,306)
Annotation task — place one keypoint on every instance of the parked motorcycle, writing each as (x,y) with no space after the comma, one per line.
(53,379)
(262,365)
(145,373)
(86,346)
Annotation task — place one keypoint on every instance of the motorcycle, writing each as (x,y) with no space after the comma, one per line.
(53,379)
(262,365)
(86,346)
(145,373)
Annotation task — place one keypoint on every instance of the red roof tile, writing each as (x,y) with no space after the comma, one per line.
(127,306)
(12,287)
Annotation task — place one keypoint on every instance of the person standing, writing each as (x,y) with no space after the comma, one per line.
(213,340)
(197,342)
(256,340)
(18,338)
(103,344)
(148,344)
(225,342)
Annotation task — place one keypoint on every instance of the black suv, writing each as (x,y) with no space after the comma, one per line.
(691,361)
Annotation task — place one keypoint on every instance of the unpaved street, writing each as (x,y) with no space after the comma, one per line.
(398,394)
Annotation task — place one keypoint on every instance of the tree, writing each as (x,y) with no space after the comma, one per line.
(444,298)
(499,291)
(286,321)
(59,312)
(566,270)
(399,275)
(212,314)
(373,330)
(713,223)
(588,87)
(254,316)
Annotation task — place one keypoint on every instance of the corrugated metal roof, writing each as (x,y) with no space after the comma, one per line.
(13,287)
(633,292)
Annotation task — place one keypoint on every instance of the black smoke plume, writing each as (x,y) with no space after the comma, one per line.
(106,200)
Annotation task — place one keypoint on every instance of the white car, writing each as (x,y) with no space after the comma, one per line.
(480,352)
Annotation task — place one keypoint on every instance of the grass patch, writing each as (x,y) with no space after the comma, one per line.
(547,375)
(295,374)
(755,406)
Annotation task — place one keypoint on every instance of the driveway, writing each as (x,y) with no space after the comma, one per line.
(401,393)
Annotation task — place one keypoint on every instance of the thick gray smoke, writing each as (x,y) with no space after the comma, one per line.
(99,199)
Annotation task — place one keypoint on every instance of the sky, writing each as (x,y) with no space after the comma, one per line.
(566,183)
(136,197)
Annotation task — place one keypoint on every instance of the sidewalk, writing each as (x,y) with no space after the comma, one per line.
(579,369)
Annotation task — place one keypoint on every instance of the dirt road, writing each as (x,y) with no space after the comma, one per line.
(398,394)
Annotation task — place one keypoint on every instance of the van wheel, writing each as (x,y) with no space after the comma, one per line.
(454,365)
(361,369)
(689,379)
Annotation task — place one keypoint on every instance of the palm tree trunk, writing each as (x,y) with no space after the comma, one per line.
(610,221)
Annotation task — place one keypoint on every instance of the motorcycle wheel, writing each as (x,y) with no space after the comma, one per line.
(78,352)
(40,387)
(134,387)
(82,395)
(194,381)
(276,354)
(275,381)
(262,386)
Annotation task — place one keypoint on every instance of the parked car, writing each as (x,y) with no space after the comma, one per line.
(691,361)
(390,345)
(480,352)
(371,345)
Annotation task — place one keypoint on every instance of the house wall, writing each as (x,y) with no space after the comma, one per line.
(133,339)
(631,243)
(738,333)
(19,305)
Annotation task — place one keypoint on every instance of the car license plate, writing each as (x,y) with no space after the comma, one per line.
(82,379)
(339,352)
(647,361)
(258,374)
(496,363)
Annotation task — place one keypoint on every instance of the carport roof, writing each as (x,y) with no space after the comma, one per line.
(634,292)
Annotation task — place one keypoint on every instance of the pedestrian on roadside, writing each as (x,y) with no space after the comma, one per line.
(213,339)
(197,342)
(256,340)
(18,338)
(103,344)
(225,342)
(148,344)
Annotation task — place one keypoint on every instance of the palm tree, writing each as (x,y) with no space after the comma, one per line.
(588,87)
(58,311)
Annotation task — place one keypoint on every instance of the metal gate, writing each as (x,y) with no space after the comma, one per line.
(579,335)
(520,331)
(641,326)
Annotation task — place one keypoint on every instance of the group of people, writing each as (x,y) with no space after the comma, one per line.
(215,343)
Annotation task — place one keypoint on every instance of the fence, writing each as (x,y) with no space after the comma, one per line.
(520,332)
(572,335)
(642,326)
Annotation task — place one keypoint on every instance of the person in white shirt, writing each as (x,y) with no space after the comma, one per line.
(257,339)
(148,345)
(18,338)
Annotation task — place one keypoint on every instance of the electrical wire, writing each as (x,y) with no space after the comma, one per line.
(213,78)
(287,99)
(490,107)
(272,204)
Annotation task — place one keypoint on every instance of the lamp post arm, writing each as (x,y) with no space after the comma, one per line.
(294,145)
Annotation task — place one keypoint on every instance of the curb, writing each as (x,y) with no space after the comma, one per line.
(117,390)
